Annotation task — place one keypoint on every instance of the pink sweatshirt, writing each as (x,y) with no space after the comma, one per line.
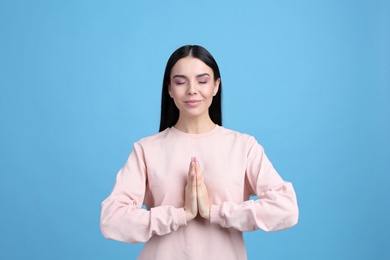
(155,174)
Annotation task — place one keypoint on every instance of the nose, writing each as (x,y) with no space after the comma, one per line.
(191,90)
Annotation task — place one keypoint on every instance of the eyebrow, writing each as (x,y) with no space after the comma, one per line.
(197,76)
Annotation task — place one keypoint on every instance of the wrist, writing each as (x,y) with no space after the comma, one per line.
(189,215)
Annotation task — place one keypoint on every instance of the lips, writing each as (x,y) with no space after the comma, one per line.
(192,102)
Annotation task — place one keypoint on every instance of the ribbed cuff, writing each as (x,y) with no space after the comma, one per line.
(215,216)
(180,217)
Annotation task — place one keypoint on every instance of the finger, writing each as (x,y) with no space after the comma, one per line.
(191,170)
(192,175)
(199,173)
(193,182)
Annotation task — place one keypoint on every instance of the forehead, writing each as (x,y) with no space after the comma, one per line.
(190,66)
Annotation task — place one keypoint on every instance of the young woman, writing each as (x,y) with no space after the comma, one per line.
(195,177)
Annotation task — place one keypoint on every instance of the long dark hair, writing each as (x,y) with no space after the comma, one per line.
(169,111)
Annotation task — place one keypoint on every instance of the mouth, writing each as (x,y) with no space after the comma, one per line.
(192,102)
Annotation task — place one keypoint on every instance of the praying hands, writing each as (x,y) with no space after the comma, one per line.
(196,196)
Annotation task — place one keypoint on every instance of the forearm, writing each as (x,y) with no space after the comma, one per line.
(275,210)
(134,225)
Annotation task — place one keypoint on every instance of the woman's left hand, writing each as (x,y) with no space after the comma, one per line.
(202,194)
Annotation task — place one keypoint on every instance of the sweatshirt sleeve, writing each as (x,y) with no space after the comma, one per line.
(276,207)
(122,215)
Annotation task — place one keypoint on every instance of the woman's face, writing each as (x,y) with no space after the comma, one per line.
(192,87)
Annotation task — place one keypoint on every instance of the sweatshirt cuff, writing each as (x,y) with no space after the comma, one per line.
(180,217)
(216,217)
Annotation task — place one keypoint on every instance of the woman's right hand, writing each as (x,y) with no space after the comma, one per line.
(190,200)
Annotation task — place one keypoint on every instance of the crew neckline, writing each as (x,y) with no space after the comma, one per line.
(202,135)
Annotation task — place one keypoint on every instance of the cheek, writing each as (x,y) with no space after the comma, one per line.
(174,93)
(209,92)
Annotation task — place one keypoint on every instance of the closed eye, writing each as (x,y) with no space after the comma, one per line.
(203,79)
(179,81)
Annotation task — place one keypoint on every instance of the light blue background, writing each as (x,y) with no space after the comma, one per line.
(80,83)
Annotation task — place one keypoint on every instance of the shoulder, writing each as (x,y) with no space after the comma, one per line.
(153,139)
(236,134)
(239,138)
(251,146)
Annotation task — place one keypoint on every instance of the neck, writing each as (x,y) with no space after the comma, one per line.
(194,126)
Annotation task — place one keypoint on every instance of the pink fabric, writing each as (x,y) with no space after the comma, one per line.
(235,167)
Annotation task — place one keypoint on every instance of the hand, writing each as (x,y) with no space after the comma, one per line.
(190,200)
(202,194)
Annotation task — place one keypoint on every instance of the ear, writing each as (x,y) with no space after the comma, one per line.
(216,86)
(169,91)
